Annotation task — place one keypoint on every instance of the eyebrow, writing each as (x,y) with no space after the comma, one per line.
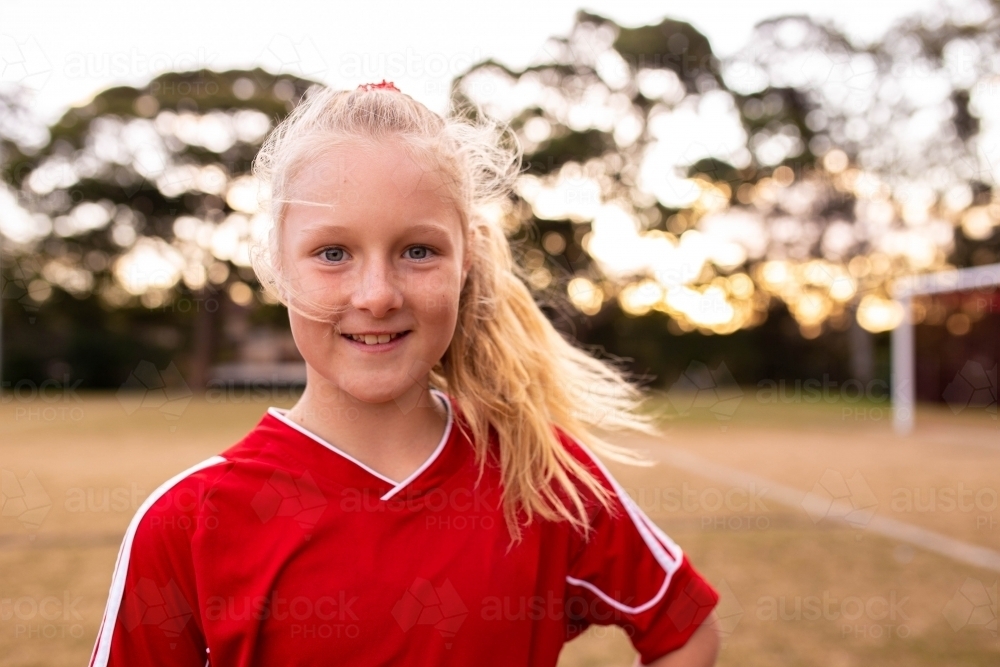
(420,227)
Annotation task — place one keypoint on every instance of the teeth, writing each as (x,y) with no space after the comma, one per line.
(371,339)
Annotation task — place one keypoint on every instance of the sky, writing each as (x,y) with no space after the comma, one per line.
(65,52)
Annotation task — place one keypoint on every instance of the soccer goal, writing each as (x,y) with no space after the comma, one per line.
(953,303)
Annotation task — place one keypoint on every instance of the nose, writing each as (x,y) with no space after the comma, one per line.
(377,290)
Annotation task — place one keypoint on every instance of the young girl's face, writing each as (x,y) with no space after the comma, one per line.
(380,237)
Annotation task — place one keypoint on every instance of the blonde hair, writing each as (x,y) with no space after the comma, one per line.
(507,367)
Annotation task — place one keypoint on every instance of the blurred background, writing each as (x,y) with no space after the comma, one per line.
(724,199)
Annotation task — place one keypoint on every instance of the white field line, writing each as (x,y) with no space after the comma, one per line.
(958,550)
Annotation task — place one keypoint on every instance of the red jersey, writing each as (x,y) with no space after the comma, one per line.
(286,551)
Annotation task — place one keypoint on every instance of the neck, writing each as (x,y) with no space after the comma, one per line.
(392,437)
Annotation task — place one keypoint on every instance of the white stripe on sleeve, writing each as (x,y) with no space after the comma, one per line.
(102,647)
(666,552)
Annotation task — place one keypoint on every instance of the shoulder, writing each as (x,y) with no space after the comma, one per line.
(631,573)
(154,566)
(178,505)
(194,482)
(622,519)
(585,457)
(193,494)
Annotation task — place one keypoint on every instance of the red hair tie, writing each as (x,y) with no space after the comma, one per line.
(386,85)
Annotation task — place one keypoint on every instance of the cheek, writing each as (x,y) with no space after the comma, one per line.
(312,284)
(310,337)
(438,297)
(317,295)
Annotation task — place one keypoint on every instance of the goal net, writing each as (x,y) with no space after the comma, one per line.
(946,348)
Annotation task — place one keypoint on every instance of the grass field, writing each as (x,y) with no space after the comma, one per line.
(799,585)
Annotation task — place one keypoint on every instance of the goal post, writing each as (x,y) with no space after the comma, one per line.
(903,342)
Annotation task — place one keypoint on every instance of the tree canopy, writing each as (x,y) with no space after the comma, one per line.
(806,169)
(806,172)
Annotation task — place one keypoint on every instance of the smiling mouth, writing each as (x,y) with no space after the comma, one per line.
(373,339)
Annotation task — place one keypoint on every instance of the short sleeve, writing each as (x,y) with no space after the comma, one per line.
(152,614)
(629,573)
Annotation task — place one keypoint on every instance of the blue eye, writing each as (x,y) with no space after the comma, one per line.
(427,251)
(336,255)
(330,254)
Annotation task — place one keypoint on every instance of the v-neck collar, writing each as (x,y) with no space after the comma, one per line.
(355,465)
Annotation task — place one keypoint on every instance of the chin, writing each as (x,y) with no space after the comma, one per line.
(370,387)
(372,395)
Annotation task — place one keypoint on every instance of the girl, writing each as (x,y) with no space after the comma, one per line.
(432,498)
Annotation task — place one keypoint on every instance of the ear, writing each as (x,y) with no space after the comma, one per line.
(467,255)
(466,266)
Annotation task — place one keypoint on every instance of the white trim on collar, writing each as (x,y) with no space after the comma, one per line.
(280,414)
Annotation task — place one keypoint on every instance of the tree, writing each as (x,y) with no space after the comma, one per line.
(22,134)
(147,205)
(663,186)
(797,173)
